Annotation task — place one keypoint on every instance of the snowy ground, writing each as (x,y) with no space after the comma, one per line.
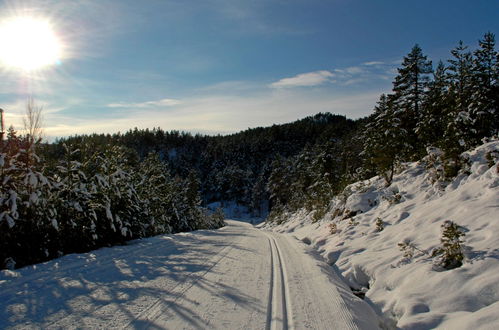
(237,277)
(233,210)
(414,292)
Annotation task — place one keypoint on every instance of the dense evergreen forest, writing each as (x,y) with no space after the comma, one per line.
(82,192)
(229,168)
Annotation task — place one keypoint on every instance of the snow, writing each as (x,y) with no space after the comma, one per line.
(233,210)
(237,277)
(413,293)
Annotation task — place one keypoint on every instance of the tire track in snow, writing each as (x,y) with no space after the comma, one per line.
(279,313)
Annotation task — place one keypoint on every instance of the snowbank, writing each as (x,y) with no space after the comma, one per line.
(361,233)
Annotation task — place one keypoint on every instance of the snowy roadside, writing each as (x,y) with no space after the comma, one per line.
(362,232)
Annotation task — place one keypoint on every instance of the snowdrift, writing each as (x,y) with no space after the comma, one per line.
(360,236)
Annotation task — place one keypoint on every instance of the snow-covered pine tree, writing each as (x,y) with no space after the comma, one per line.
(326,171)
(450,254)
(192,189)
(385,138)
(459,130)
(431,125)
(485,95)
(33,230)
(8,210)
(259,195)
(114,198)
(279,182)
(410,87)
(300,178)
(155,191)
(185,218)
(71,198)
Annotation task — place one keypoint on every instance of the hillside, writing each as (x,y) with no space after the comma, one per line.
(233,167)
(381,240)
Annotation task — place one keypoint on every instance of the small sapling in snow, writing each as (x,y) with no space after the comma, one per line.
(450,253)
(333,229)
(380,225)
(407,247)
(352,222)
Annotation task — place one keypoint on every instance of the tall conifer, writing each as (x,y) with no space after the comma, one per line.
(410,88)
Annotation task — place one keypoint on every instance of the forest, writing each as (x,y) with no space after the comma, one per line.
(88,191)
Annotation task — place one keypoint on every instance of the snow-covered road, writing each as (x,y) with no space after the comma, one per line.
(237,277)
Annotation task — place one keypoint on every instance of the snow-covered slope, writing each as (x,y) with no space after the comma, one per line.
(415,293)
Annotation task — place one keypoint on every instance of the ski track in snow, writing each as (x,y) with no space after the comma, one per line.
(279,309)
(238,277)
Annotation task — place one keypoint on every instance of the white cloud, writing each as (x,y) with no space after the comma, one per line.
(304,79)
(353,70)
(148,104)
(365,73)
(371,63)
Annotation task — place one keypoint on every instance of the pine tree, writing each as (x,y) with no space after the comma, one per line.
(259,196)
(279,183)
(71,198)
(384,138)
(485,96)
(459,129)
(431,125)
(410,88)
(451,251)
(193,188)
(114,197)
(155,190)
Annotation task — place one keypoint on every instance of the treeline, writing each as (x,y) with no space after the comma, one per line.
(229,168)
(87,198)
(450,109)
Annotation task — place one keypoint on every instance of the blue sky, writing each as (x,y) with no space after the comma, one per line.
(219,66)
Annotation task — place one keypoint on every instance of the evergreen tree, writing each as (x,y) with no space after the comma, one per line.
(459,130)
(485,96)
(71,198)
(279,182)
(431,125)
(193,186)
(259,196)
(114,197)
(410,87)
(384,139)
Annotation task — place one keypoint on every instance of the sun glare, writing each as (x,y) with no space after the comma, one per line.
(28,44)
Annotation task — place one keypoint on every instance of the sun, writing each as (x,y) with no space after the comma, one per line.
(28,43)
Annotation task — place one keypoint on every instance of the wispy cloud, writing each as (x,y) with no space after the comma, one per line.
(221,113)
(367,72)
(371,63)
(148,104)
(304,79)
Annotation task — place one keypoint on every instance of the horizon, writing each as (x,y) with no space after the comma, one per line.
(221,67)
(131,129)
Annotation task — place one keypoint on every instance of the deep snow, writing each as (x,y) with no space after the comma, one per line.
(414,293)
